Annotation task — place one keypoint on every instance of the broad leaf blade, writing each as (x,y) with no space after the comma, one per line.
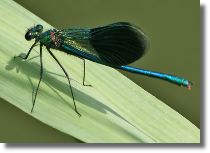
(114,110)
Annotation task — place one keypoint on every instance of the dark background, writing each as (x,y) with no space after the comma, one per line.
(173,28)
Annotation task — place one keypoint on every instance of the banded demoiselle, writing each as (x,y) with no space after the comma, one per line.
(115,45)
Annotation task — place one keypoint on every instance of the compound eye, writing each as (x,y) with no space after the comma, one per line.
(39,28)
(28,36)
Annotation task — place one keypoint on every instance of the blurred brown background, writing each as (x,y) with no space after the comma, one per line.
(173,28)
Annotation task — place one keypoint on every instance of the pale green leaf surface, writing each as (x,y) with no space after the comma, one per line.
(114,110)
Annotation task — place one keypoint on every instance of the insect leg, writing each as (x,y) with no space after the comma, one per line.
(41,72)
(84,73)
(27,53)
(67,78)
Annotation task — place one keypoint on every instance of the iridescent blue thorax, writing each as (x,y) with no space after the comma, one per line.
(46,39)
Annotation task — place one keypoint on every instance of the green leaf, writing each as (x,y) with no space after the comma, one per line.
(114,110)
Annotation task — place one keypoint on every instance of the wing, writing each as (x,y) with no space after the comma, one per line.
(120,43)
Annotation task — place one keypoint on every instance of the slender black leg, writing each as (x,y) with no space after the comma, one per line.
(67,78)
(41,72)
(84,73)
(27,53)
